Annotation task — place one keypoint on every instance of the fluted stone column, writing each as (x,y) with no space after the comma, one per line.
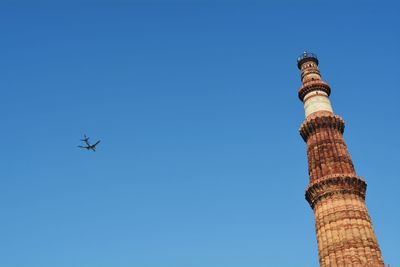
(335,193)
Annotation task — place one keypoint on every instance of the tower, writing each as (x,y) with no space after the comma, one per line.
(335,193)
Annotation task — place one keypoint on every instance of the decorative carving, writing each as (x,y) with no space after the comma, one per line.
(317,85)
(320,120)
(335,184)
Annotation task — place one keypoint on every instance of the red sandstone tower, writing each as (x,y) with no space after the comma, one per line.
(335,193)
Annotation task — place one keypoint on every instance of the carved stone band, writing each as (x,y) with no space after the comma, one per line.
(335,184)
(311,86)
(320,120)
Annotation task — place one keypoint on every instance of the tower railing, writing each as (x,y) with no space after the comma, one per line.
(306,55)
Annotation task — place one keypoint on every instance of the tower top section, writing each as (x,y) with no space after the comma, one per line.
(314,92)
(306,56)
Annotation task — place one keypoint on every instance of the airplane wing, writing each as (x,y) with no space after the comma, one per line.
(95,144)
(85,139)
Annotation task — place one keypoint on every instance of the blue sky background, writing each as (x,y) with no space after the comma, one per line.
(201,163)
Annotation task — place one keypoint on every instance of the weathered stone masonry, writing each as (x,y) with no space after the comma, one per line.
(335,193)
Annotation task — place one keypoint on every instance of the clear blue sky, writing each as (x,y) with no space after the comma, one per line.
(201,163)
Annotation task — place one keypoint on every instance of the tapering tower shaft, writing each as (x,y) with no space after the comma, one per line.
(335,193)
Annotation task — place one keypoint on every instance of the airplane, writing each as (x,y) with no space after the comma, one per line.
(88,145)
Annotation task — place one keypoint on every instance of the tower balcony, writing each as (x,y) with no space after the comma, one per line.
(306,56)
